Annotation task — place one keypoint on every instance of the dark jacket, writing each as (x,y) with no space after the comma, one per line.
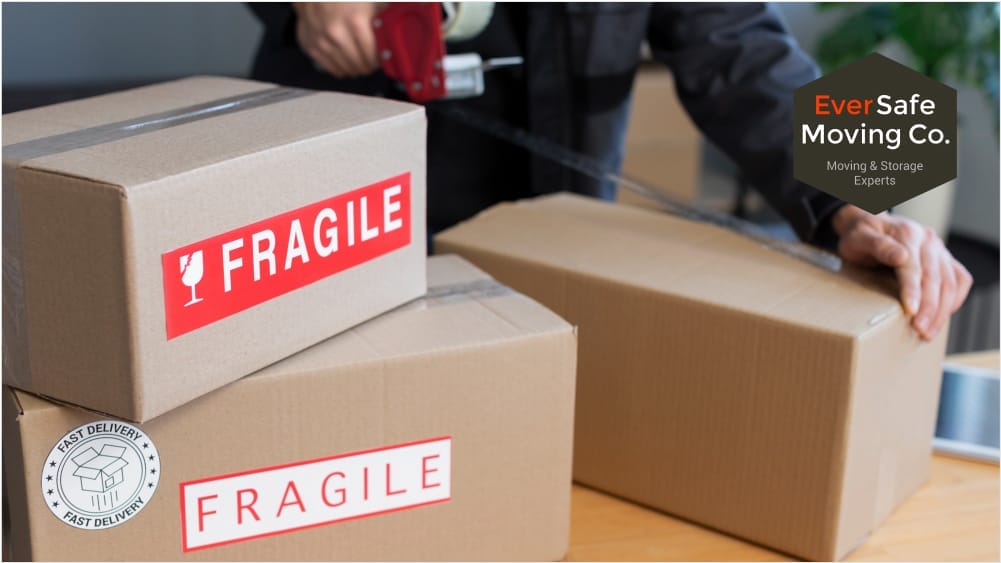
(735,67)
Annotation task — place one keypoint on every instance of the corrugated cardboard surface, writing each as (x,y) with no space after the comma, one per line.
(719,380)
(96,220)
(494,370)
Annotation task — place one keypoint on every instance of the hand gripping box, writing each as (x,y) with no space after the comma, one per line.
(161,242)
(441,430)
(719,380)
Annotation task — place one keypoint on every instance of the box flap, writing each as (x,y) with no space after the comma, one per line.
(29,403)
(87,472)
(85,457)
(210,138)
(114,464)
(112,451)
(668,254)
(461,311)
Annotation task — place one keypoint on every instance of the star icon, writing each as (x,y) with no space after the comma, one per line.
(52,464)
(49,492)
(145,445)
(153,470)
(48,477)
(55,504)
(150,485)
(151,457)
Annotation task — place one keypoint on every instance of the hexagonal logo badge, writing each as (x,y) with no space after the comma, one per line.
(875,133)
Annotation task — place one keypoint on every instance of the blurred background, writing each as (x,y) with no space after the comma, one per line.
(55,52)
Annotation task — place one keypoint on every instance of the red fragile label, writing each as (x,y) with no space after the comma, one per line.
(214,278)
(276,500)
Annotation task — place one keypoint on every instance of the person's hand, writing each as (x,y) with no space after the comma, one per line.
(338,36)
(933,284)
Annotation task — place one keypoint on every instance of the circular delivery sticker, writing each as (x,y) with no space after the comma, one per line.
(100,475)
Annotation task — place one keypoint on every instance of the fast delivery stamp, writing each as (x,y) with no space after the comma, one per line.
(100,475)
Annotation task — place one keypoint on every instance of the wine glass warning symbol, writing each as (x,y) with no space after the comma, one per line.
(192,268)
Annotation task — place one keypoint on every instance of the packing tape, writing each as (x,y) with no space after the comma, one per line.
(16,353)
(458,293)
(477,289)
(110,132)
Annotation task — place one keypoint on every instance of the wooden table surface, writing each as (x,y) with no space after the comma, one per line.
(954,517)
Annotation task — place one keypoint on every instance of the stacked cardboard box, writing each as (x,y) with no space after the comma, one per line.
(441,430)
(163,243)
(719,380)
(149,230)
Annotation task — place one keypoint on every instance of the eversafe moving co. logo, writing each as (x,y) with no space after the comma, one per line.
(236,507)
(214,278)
(874,133)
(100,475)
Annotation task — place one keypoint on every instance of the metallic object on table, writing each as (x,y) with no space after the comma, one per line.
(968,415)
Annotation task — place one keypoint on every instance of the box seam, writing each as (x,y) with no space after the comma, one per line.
(128,271)
(144,185)
(838,480)
(17,402)
(109,182)
(467,250)
(428,353)
(109,187)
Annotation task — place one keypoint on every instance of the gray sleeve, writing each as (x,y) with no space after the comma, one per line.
(735,68)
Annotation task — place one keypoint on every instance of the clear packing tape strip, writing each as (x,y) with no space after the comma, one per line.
(592,168)
(460,292)
(16,351)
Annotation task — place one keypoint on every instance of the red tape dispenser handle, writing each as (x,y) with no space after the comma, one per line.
(411,48)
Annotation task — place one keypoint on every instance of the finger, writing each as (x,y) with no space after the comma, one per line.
(964,282)
(888,251)
(331,58)
(365,42)
(312,45)
(329,62)
(931,289)
(910,272)
(856,244)
(340,63)
(347,52)
(947,295)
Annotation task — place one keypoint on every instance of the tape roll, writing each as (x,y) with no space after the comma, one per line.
(465,20)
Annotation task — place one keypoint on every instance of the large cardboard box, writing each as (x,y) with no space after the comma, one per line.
(161,242)
(441,430)
(719,380)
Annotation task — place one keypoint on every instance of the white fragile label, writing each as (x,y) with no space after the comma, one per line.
(275,500)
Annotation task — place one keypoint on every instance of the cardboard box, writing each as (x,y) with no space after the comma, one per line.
(671,169)
(460,406)
(657,115)
(663,146)
(164,241)
(721,381)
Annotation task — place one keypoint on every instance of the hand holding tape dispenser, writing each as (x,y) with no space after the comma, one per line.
(411,38)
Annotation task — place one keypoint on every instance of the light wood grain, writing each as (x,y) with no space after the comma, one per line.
(954,517)
(989,360)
